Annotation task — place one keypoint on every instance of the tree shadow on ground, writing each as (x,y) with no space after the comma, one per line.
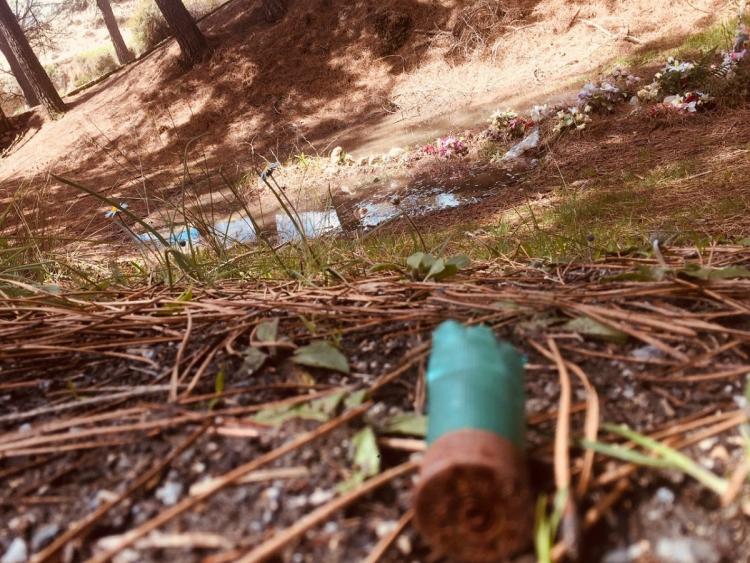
(268,92)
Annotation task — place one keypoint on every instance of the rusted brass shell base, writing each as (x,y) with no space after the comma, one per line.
(472,501)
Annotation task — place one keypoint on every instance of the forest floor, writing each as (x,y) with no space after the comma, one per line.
(157,407)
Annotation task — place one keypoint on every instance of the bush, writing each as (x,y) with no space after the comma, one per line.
(149,27)
(82,68)
(90,65)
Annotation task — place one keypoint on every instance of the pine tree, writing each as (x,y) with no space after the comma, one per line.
(15,69)
(124,55)
(192,42)
(28,62)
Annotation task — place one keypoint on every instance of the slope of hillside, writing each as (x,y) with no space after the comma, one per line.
(337,72)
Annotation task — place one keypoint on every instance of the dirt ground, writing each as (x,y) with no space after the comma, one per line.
(83,430)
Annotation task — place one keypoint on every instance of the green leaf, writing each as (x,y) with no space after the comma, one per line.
(536,323)
(172,308)
(460,261)
(366,459)
(744,242)
(506,305)
(590,327)
(437,268)
(355,399)
(408,423)
(268,331)
(643,273)
(366,452)
(219,382)
(310,325)
(322,355)
(218,389)
(253,360)
(426,267)
(72,389)
(319,410)
(703,273)
(186,296)
(419,261)
(385,267)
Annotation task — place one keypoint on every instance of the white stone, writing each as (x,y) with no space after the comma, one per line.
(320,496)
(17,552)
(686,550)
(169,493)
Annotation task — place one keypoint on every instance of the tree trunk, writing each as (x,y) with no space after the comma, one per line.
(15,68)
(29,64)
(275,10)
(192,43)
(5,124)
(124,55)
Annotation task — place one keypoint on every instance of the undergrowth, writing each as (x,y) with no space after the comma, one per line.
(149,27)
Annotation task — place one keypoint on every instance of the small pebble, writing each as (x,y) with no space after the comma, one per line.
(127,556)
(385,527)
(44,536)
(647,353)
(403,543)
(169,493)
(665,496)
(320,496)
(708,443)
(17,552)
(627,554)
(686,550)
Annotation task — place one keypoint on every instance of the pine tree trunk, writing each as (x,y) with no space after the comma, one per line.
(15,69)
(275,10)
(5,124)
(124,55)
(192,43)
(30,66)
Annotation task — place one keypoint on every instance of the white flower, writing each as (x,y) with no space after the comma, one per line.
(114,210)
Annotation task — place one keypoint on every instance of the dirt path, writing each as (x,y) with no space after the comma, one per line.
(95,434)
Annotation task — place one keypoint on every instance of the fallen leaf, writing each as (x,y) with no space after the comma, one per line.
(704,273)
(590,327)
(322,355)
(319,410)
(253,360)
(643,273)
(218,389)
(355,399)
(366,459)
(366,452)
(408,423)
(268,331)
